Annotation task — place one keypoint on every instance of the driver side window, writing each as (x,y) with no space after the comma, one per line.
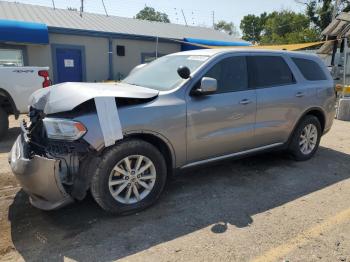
(231,74)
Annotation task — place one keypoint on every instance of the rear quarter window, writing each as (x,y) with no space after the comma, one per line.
(310,69)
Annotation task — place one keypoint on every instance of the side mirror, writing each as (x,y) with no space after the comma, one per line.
(208,86)
(184,72)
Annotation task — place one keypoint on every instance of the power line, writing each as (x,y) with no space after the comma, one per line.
(182,11)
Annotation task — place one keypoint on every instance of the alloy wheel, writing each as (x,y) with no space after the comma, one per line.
(308,139)
(132,179)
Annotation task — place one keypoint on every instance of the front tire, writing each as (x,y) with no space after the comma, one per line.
(130,177)
(306,138)
(4,123)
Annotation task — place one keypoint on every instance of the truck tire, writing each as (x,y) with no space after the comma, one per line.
(129,177)
(4,123)
(306,138)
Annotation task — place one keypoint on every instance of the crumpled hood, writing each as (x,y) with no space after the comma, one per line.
(66,96)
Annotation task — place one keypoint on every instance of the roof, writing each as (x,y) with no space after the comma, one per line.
(62,18)
(338,28)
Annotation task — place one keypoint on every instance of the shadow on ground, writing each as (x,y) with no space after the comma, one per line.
(227,193)
(7,142)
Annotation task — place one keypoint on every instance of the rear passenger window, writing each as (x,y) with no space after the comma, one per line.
(231,74)
(310,69)
(267,71)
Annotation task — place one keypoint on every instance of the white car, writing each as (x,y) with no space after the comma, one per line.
(16,85)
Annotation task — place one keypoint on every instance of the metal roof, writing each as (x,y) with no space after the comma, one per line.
(339,27)
(62,18)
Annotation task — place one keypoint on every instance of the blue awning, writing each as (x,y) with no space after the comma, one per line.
(23,32)
(209,43)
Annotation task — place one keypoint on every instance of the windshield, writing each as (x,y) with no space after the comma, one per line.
(161,74)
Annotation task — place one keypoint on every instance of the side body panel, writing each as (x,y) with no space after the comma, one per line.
(279,108)
(20,83)
(220,124)
(196,128)
(164,117)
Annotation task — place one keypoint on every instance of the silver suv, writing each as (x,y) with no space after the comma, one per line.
(123,140)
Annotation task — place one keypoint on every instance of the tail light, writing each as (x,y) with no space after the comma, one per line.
(45,74)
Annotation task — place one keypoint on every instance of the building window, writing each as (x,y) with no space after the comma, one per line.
(120,50)
(11,57)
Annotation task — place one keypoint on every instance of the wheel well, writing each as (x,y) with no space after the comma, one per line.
(7,103)
(159,143)
(320,116)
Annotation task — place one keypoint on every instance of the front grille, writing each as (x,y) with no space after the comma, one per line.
(61,148)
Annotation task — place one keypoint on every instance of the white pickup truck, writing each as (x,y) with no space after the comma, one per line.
(16,85)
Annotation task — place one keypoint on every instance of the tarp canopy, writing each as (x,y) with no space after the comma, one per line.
(195,43)
(206,44)
(23,32)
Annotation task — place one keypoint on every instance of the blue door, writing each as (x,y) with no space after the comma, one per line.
(69,65)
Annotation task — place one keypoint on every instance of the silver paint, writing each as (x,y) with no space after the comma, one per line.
(203,129)
(39,177)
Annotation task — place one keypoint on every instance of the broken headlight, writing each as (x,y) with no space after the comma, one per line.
(63,129)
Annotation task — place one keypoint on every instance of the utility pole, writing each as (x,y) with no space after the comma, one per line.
(53,4)
(81,7)
(104,7)
(182,11)
(213,16)
(176,15)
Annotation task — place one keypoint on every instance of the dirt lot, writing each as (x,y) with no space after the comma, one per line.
(262,208)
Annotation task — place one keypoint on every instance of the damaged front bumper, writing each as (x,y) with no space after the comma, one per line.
(39,176)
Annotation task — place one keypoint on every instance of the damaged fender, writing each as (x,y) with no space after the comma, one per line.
(65,97)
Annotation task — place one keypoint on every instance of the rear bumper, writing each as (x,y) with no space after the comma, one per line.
(39,177)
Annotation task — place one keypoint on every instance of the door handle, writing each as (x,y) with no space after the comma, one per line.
(300,94)
(245,102)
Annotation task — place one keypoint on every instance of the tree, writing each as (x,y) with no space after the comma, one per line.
(319,12)
(149,13)
(252,27)
(72,8)
(287,27)
(345,6)
(226,27)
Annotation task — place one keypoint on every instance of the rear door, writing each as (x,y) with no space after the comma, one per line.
(280,100)
(222,123)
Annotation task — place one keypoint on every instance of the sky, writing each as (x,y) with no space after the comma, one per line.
(197,12)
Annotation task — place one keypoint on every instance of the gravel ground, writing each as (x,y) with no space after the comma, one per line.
(261,208)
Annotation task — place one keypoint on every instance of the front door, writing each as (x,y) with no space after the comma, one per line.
(222,123)
(69,65)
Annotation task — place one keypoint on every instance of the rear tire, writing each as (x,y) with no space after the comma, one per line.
(4,123)
(306,138)
(118,170)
